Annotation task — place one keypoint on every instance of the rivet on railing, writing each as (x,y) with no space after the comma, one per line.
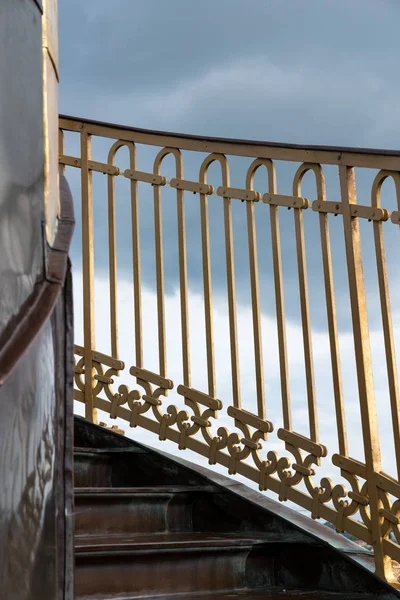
(283,491)
(263,476)
(163,428)
(339,519)
(316,503)
(232,464)
(213,451)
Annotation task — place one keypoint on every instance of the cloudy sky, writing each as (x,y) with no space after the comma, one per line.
(313,72)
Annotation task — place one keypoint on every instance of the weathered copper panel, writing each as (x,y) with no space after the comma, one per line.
(33,410)
(21,153)
(36,552)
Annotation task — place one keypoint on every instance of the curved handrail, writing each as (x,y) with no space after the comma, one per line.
(69,122)
(36,310)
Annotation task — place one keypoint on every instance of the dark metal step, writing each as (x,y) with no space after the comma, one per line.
(101,511)
(140,566)
(165,564)
(271,594)
(128,467)
(153,526)
(159,564)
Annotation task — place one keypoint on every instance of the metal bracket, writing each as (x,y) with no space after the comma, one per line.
(151,377)
(288,201)
(248,418)
(239,194)
(299,441)
(199,397)
(191,186)
(105,168)
(145,177)
(356,210)
(350,465)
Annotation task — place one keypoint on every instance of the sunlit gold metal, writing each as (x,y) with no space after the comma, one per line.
(239,194)
(363,363)
(363,212)
(93,165)
(88,272)
(330,303)
(305,306)
(191,186)
(385,306)
(370,508)
(145,177)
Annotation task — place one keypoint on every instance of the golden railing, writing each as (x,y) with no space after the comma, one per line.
(370,509)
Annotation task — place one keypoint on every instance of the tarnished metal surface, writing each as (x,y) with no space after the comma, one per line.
(35,373)
(208,535)
(369,508)
(21,154)
(35,498)
(36,555)
(27,468)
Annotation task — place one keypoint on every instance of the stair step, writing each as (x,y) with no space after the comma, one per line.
(148,526)
(153,565)
(135,510)
(271,594)
(128,467)
(151,490)
(95,544)
(158,564)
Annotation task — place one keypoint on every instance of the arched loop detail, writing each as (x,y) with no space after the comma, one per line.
(223,161)
(255,165)
(377,185)
(117,146)
(319,179)
(178,161)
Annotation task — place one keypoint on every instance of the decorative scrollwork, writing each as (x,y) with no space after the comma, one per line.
(283,473)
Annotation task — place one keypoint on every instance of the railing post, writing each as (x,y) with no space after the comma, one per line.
(88,274)
(363,364)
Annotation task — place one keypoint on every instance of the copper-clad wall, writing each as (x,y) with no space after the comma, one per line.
(21,154)
(35,466)
(35,314)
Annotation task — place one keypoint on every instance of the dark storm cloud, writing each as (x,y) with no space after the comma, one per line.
(312,72)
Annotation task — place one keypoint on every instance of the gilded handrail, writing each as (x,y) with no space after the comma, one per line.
(369,510)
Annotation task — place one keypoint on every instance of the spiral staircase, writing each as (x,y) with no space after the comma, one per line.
(148,525)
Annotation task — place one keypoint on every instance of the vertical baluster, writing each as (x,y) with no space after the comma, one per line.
(255,296)
(160,281)
(183,276)
(333,332)
(112,258)
(386,311)
(255,301)
(330,301)
(137,290)
(305,320)
(230,273)
(363,363)
(162,355)
(280,306)
(205,247)
(88,274)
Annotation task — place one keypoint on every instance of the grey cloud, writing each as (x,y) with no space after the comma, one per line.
(153,44)
(322,73)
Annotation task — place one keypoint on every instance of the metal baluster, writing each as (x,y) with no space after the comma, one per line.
(88,274)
